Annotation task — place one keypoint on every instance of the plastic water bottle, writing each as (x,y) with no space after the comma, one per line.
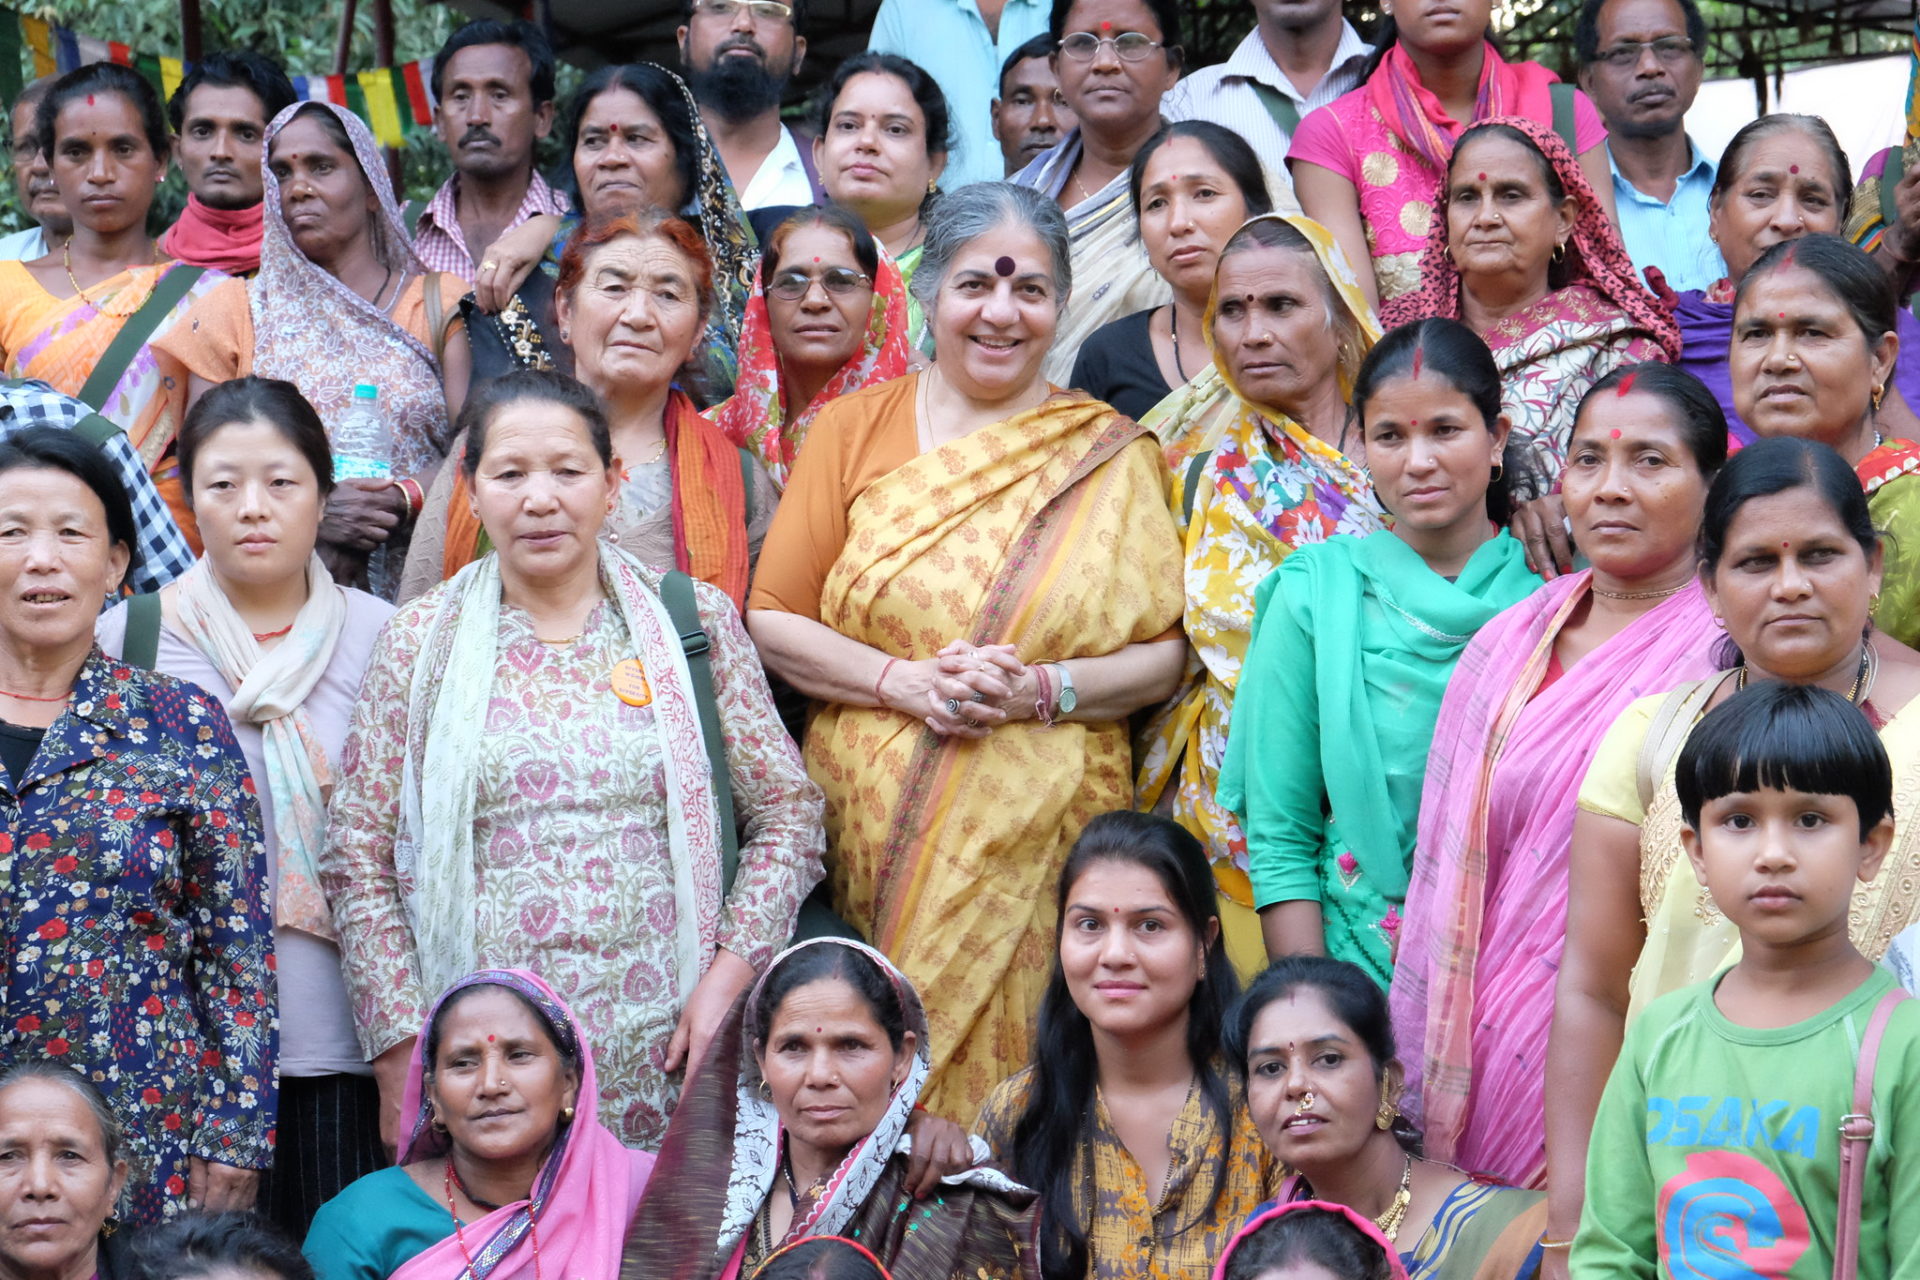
(362,443)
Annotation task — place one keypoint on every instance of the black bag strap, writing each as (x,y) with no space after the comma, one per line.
(676,592)
(1195,470)
(1563,123)
(139,330)
(1284,110)
(747,467)
(141,647)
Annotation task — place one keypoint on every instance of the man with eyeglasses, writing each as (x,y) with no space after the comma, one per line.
(1301,54)
(962,44)
(1641,62)
(738,56)
(33,185)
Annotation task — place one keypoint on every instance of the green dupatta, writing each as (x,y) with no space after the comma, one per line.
(1350,636)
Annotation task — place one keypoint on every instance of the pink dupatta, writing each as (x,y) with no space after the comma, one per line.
(1472,993)
(583,1197)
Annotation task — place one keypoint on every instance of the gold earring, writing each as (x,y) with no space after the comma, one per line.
(1560,251)
(1388,1113)
(1498,470)
(932,186)
(566,1115)
(1879,394)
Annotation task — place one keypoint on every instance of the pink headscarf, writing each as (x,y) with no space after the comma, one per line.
(1396,1270)
(583,1197)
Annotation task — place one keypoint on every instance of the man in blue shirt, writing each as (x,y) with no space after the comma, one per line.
(962,44)
(1641,62)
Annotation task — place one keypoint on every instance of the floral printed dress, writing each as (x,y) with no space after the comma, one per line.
(139,941)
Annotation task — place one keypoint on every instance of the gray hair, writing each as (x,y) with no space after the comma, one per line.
(963,215)
(113,1134)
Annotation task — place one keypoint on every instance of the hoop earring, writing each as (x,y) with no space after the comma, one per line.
(1560,252)
(1498,470)
(766,1092)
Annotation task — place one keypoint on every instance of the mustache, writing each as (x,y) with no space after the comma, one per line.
(478,133)
(740,42)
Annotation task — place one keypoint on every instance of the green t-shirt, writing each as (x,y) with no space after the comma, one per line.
(373,1228)
(1716,1150)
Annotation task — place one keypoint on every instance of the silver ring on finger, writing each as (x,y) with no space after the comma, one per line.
(978,696)
(953,706)
(972,723)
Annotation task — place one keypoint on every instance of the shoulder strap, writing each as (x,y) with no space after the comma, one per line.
(96,430)
(1856,1140)
(1284,110)
(1668,732)
(747,466)
(1562,94)
(676,592)
(139,329)
(142,645)
(436,315)
(1188,490)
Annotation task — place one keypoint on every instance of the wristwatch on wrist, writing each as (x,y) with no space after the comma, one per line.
(1068,699)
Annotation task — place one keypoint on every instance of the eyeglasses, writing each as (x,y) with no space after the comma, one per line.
(1131,46)
(762,10)
(1670,50)
(791,286)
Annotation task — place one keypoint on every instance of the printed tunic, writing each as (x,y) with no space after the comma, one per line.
(138,930)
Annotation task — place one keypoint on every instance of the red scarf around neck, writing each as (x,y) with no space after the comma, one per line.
(224,239)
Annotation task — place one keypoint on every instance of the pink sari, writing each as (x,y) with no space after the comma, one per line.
(1486,910)
(583,1197)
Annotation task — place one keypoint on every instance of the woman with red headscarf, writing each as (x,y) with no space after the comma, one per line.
(1523,253)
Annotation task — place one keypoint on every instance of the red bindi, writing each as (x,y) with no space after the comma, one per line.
(1783,546)
(1415,422)
(89,99)
(489,1039)
(1793,168)
(1106,26)
(1483,177)
(1615,433)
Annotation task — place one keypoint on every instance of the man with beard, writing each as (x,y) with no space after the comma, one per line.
(220,115)
(1031,115)
(738,56)
(493,95)
(33,184)
(1641,62)
(1301,54)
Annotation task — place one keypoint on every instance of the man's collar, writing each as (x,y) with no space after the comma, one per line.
(1697,161)
(1252,59)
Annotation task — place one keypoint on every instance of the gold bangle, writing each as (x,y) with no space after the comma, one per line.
(1555,1244)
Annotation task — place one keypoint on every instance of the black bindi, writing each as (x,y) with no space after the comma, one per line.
(1003,265)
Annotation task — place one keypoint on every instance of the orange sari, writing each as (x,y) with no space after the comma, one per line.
(1049,531)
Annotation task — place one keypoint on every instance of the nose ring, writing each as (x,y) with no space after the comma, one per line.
(1306,1104)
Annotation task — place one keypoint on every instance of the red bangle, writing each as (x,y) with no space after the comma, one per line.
(410,490)
(1043,702)
(882,679)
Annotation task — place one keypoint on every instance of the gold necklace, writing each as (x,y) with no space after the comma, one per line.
(66,263)
(1661,594)
(1863,678)
(1389,1222)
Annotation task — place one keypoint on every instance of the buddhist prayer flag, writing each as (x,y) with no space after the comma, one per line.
(394,101)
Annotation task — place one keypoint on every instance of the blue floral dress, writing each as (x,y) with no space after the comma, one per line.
(137,927)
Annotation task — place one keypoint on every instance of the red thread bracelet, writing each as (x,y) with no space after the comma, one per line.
(882,679)
(1043,703)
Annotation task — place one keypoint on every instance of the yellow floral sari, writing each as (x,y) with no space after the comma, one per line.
(1048,531)
(1265,485)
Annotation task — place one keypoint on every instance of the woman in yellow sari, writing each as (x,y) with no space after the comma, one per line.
(976,578)
(1255,447)
(105,137)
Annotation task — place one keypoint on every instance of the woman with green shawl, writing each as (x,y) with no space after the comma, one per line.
(1354,639)
(1256,446)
